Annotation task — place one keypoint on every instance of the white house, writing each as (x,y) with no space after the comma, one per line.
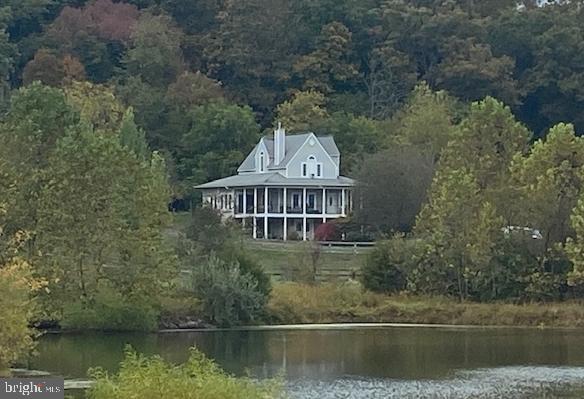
(287,185)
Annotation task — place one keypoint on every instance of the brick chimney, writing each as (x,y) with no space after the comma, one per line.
(279,144)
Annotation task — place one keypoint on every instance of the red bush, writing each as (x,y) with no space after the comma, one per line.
(326,232)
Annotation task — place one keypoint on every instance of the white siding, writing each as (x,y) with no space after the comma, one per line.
(312,148)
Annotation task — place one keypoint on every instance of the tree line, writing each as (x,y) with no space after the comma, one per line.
(479,209)
(86,238)
(206,78)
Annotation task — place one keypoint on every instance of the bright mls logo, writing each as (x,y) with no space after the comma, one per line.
(42,388)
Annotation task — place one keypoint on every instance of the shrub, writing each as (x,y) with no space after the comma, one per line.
(110,312)
(249,266)
(386,267)
(322,303)
(228,296)
(199,378)
(208,231)
(326,232)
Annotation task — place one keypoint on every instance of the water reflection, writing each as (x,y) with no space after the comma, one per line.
(371,357)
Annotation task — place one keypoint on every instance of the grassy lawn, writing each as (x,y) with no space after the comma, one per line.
(278,258)
(332,263)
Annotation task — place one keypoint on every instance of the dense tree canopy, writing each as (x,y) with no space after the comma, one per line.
(365,57)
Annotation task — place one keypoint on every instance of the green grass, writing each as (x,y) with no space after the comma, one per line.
(333,263)
(279,257)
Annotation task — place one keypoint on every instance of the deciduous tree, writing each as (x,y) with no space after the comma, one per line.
(304,111)
(155,53)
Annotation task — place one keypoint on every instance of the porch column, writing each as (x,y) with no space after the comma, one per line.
(324,205)
(343,204)
(304,214)
(266,213)
(285,201)
(244,202)
(285,229)
(244,206)
(255,200)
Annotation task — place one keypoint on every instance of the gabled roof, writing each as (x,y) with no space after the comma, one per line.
(275,179)
(293,143)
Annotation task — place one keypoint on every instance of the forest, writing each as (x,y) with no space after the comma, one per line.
(206,78)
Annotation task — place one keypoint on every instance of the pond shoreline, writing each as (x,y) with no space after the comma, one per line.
(324,327)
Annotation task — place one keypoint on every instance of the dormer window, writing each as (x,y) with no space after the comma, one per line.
(319,170)
(304,169)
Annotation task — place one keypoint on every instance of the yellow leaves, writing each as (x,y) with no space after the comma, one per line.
(16,285)
(97,105)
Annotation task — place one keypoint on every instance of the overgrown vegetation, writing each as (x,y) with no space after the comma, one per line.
(292,303)
(501,220)
(231,285)
(198,378)
(229,295)
(16,338)
(110,312)
(17,286)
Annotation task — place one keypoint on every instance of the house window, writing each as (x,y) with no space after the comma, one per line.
(262,162)
(311,166)
(230,201)
(304,169)
(311,201)
(296,200)
(319,170)
(330,201)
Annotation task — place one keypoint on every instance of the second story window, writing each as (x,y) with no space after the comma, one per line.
(262,162)
(304,169)
(319,170)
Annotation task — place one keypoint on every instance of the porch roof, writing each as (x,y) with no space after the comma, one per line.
(275,179)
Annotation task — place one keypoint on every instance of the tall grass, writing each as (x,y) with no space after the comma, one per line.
(349,302)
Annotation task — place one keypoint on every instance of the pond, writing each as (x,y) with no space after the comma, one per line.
(358,362)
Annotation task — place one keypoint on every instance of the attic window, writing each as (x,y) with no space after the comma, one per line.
(311,167)
(262,162)
(304,169)
(319,170)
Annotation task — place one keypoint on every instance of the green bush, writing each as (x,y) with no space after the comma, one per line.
(110,312)
(228,296)
(248,265)
(386,267)
(200,378)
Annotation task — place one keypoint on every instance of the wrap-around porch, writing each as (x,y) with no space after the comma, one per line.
(289,213)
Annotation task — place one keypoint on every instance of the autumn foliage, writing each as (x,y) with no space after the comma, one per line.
(326,232)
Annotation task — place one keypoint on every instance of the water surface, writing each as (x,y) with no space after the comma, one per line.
(360,362)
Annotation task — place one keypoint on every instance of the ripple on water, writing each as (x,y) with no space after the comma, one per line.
(503,382)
